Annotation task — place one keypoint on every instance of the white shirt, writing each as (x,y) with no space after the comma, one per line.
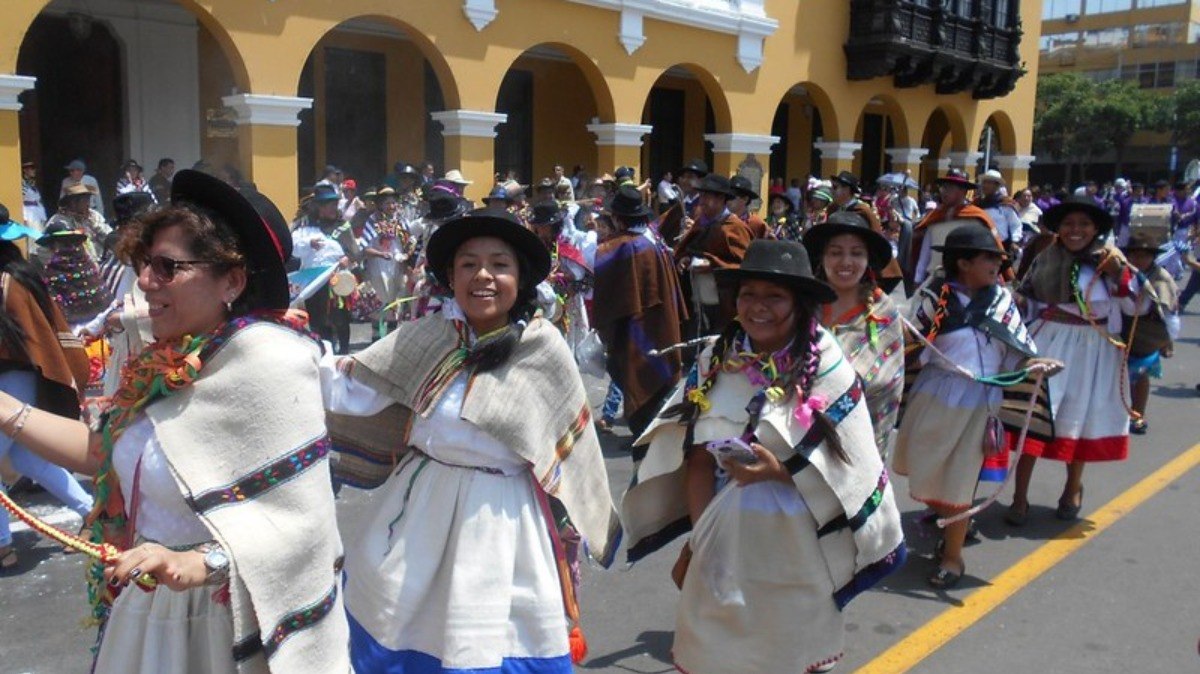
(163,516)
(329,253)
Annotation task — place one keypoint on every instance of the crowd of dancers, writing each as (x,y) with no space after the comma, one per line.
(775,373)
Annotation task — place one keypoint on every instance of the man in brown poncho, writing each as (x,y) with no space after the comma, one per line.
(638,306)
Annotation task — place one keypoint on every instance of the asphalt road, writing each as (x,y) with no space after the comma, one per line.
(1127,600)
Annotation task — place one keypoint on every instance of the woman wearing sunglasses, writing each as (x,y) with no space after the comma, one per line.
(209,465)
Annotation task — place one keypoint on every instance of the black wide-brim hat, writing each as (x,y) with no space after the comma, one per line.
(443,206)
(972,237)
(742,187)
(1078,203)
(696,166)
(1141,239)
(956,178)
(783,262)
(716,184)
(265,240)
(547,212)
(60,231)
(439,252)
(627,203)
(879,249)
(848,179)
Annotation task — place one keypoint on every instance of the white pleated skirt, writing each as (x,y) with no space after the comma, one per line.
(167,632)
(455,572)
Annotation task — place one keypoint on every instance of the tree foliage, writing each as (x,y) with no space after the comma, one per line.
(1184,117)
(1077,120)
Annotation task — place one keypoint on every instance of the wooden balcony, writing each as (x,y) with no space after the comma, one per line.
(917,44)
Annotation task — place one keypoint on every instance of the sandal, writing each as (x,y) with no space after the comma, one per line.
(1068,511)
(1138,426)
(8,557)
(944,579)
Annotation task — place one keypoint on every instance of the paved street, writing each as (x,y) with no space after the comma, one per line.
(1126,600)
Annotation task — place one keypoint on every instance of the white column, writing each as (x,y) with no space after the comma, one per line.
(837,149)
(268,110)
(11,87)
(1014,161)
(967,161)
(470,123)
(909,156)
(741,143)
(622,135)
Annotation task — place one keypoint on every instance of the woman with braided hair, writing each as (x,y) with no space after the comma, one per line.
(1073,291)
(864,319)
(951,420)
(766,453)
(475,427)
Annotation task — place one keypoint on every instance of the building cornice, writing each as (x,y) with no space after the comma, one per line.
(268,110)
(11,88)
(469,123)
(747,19)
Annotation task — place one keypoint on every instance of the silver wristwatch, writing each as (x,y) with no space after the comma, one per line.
(216,562)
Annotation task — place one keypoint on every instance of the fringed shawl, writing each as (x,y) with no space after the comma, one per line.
(534,403)
(1049,277)
(858,523)
(246,443)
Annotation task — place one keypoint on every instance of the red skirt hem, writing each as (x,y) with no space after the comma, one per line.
(1114,448)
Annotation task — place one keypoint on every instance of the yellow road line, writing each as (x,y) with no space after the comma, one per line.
(936,633)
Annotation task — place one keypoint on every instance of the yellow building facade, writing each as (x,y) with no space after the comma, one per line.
(278,88)
(1154,43)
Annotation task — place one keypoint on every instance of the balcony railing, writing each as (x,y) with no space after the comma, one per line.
(918,44)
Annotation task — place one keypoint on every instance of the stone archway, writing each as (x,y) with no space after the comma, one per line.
(805,116)
(881,125)
(557,90)
(114,85)
(374,81)
(685,104)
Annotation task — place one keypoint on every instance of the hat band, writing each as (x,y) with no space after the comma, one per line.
(274,240)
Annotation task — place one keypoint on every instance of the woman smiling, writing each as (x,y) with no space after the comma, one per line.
(1073,289)
(478,436)
(781,406)
(246,566)
(863,319)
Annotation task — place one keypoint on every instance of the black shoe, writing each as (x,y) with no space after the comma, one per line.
(1067,511)
(1138,426)
(1016,518)
(945,579)
(24,485)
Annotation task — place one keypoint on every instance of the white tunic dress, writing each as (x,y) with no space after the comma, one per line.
(455,570)
(164,630)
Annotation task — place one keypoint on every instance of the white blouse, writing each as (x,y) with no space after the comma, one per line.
(442,435)
(163,516)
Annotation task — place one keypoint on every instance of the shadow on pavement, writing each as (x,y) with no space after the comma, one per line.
(655,644)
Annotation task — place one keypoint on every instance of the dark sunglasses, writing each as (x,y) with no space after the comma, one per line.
(164,268)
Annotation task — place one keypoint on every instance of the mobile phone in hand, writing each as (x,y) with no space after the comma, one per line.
(732,449)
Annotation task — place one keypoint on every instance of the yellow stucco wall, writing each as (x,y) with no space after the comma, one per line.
(267,44)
